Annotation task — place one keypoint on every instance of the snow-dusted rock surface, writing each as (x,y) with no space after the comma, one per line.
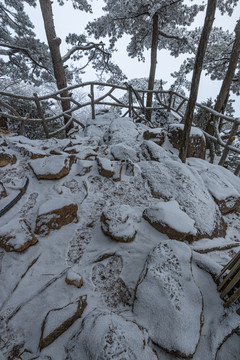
(83,259)
(169,219)
(114,338)
(172,180)
(167,300)
(57,168)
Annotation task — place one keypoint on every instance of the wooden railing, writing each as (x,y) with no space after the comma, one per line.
(132,100)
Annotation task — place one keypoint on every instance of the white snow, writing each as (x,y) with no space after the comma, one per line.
(125,309)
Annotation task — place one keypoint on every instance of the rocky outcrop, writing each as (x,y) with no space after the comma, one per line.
(165,295)
(169,219)
(57,321)
(16,236)
(121,130)
(7,159)
(54,214)
(110,336)
(118,222)
(197,144)
(57,168)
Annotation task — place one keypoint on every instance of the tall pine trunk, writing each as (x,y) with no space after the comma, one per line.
(188,117)
(225,88)
(153,65)
(54,46)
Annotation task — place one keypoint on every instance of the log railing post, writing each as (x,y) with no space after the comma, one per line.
(41,113)
(169,101)
(229,142)
(23,123)
(130,101)
(92,101)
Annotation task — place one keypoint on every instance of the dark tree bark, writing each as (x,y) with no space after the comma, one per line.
(188,117)
(225,88)
(153,65)
(54,46)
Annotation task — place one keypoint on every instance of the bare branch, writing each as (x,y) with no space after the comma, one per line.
(86,47)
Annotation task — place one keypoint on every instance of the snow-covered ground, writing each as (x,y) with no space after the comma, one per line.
(112,251)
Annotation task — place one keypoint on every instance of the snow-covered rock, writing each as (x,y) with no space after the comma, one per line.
(167,301)
(219,184)
(169,219)
(119,222)
(121,130)
(57,168)
(7,159)
(55,213)
(74,278)
(157,135)
(172,180)
(197,144)
(57,321)
(109,336)
(124,152)
(105,167)
(16,236)
(3,192)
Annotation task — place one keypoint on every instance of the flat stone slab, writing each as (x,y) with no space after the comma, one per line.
(54,169)
(55,213)
(57,321)
(167,301)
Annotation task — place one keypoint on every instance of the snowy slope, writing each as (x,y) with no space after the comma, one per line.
(105,275)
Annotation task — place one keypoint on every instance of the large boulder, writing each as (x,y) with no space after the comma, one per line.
(172,180)
(169,219)
(55,213)
(197,144)
(121,130)
(109,336)
(167,301)
(224,186)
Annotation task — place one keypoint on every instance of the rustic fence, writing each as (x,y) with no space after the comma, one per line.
(132,100)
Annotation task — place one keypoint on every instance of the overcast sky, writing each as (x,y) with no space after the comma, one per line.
(67,20)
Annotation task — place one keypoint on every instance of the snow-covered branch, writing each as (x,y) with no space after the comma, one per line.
(88,46)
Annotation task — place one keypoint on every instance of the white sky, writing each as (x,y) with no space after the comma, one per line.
(67,20)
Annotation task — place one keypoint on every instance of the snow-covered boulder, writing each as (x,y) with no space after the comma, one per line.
(168,218)
(157,135)
(197,144)
(172,180)
(7,159)
(119,222)
(121,130)
(124,152)
(167,301)
(57,321)
(109,336)
(16,236)
(224,186)
(57,168)
(105,167)
(55,213)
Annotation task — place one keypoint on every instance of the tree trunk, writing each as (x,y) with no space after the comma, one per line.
(54,46)
(153,65)
(225,88)
(188,117)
